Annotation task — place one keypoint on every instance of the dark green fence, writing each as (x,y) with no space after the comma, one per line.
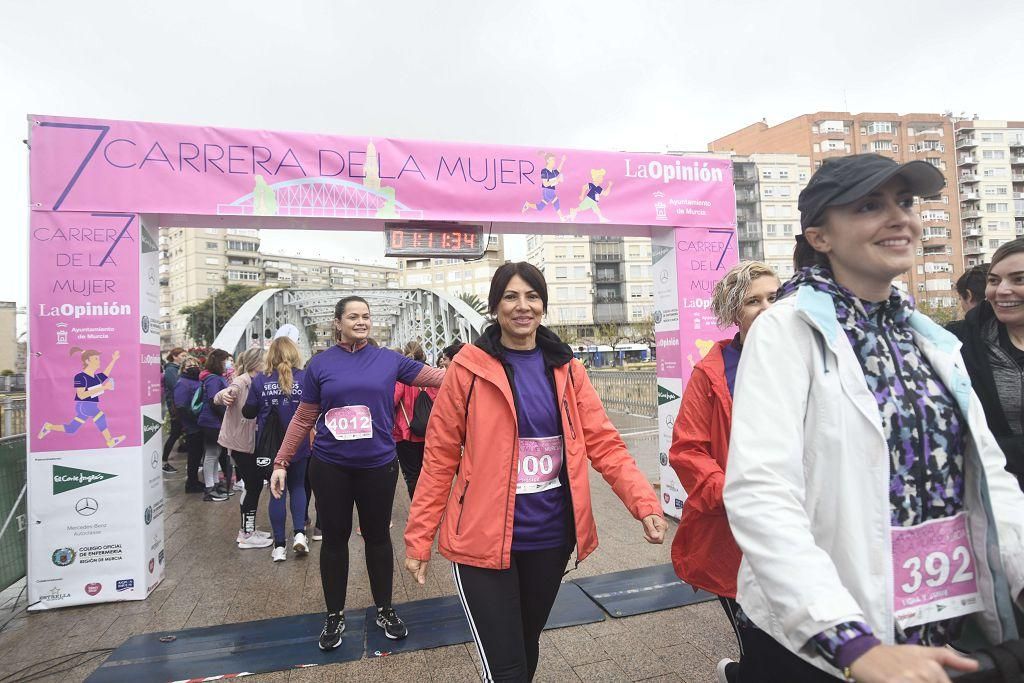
(12,510)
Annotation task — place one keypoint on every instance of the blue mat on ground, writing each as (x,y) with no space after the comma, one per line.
(249,647)
(437,622)
(638,591)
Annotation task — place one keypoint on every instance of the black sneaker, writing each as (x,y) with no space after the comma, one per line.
(334,626)
(394,627)
(169,468)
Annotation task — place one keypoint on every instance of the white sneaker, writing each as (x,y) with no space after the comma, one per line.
(256,532)
(239,485)
(254,541)
(318,535)
(720,670)
(300,545)
(279,554)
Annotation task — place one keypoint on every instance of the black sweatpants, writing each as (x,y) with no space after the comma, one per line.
(253,476)
(174,435)
(763,659)
(410,457)
(372,491)
(507,609)
(196,449)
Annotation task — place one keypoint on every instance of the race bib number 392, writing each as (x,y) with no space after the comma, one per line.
(934,571)
(349,423)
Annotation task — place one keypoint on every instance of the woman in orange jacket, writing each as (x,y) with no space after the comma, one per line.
(704,553)
(514,425)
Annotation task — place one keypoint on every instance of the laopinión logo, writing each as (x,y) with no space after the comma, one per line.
(62,557)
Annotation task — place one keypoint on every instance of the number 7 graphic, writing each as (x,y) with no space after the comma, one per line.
(103,130)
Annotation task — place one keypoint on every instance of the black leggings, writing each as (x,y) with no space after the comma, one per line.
(410,457)
(253,476)
(764,660)
(507,609)
(194,444)
(174,436)
(373,492)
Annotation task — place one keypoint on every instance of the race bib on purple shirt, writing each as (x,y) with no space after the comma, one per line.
(540,461)
(349,423)
(934,572)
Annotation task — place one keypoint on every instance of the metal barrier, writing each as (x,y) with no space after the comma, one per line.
(627,391)
(13,527)
(12,416)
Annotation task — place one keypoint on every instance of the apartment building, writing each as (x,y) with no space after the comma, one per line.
(902,137)
(197,263)
(767,218)
(9,355)
(595,281)
(454,276)
(990,173)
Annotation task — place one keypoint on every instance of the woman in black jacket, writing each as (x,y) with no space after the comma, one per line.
(993,351)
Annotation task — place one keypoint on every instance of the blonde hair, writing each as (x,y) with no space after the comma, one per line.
(250,360)
(283,356)
(413,349)
(727,297)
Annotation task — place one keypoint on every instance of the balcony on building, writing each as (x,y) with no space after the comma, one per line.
(610,312)
(1019,227)
(973,247)
(930,133)
(1017,160)
(971,230)
(970,213)
(1017,177)
(966,142)
(970,196)
(1018,208)
(967,160)
(608,273)
(746,196)
(969,178)
(607,252)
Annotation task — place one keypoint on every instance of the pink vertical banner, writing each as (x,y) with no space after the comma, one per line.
(84,339)
(703,255)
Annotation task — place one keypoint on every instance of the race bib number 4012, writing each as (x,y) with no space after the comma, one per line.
(934,571)
(349,422)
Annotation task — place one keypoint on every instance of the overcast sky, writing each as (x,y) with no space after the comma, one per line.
(639,75)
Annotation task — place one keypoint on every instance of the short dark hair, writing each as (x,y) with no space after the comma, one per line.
(973,280)
(529,272)
(1007,249)
(339,308)
(452,349)
(215,361)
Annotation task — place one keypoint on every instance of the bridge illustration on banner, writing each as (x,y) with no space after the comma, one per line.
(320,197)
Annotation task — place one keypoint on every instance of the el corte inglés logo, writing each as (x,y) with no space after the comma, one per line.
(149,428)
(665,396)
(71,478)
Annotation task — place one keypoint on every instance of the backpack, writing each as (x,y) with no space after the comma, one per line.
(271,436)
(198,399)
(421,413)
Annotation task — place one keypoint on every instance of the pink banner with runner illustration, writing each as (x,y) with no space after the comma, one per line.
(85,363)
(702,258)
(104,165)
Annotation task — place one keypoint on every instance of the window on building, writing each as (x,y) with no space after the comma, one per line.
(766,174)
(561,293)
(579,272)
(997,207)
(995,244)
(769,192)
(991,137)
(242,275)
(578,252)
(561,252)
(783,174)
(213,276)
(211,245)
(561,272)
(993,154)
(785,191)
(212,261)
(769,229)
(787,229)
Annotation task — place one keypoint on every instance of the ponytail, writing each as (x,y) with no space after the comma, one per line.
(284,377)
(805,256)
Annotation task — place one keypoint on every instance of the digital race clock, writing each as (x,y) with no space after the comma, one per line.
(434,240)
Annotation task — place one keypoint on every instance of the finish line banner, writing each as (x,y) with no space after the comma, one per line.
(101,165)
(95,487)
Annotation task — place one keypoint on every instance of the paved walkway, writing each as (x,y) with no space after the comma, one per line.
(209,581)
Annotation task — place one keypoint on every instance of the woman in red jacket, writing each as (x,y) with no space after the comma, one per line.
(515,425)
(409,444)
(704,553)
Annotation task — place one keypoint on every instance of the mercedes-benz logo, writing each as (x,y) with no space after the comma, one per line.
(87,506)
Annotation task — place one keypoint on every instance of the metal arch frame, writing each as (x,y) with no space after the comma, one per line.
(434,319)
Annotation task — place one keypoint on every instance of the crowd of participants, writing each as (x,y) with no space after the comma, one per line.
(849,464)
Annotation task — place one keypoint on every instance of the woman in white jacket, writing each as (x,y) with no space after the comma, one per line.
(864,488)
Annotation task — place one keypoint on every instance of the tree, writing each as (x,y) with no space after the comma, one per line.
(474,302)
(940,314)
(567,333)
(200,316)
(643,330)
(607,333)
